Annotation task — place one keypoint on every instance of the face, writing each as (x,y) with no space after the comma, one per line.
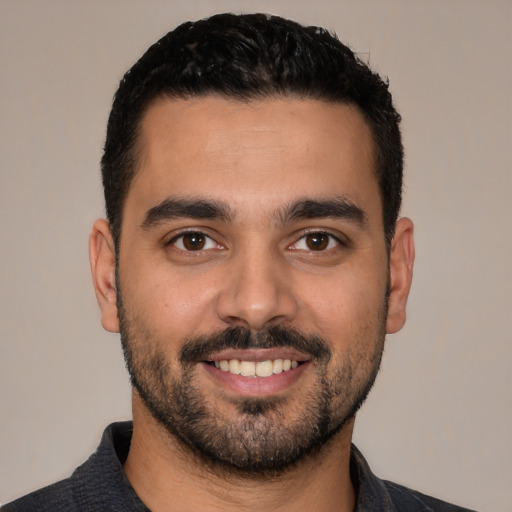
(253,277)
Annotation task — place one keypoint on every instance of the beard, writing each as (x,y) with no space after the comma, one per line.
(260,436)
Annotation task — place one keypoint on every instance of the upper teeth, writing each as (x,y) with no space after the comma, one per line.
(256,369)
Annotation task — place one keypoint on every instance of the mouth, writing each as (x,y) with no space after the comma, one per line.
(261,369)
(256,372)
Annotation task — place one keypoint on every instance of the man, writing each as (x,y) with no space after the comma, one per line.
(253,261)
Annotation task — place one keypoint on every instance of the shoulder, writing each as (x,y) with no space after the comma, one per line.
(406,500)
(98,484)
(376,494)
(55,497)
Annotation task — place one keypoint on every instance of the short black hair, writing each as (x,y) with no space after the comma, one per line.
(245,57)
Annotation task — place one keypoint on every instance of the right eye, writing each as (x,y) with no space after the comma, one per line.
(194,241)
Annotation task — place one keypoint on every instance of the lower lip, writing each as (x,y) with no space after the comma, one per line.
(255,386)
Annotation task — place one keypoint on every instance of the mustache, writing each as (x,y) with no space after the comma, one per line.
(198,349)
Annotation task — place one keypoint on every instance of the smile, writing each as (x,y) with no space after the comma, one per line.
(256,368)
(256,372)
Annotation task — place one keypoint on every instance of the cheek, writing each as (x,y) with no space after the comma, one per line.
(341,308)
(169,302)
(357,338)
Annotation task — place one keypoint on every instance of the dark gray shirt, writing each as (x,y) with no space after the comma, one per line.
(100,485)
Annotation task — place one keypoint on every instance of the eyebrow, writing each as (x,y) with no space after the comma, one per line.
(335,208)
(206,209)
(171,208)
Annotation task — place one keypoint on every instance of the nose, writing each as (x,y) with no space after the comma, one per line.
(258,292)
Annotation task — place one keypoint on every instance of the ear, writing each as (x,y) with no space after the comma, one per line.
(401,261)
(103,263)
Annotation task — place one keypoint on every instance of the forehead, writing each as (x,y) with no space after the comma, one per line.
(253,153)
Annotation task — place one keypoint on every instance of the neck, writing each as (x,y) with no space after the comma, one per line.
(167,476)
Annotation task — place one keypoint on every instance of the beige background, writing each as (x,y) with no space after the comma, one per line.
(440,417)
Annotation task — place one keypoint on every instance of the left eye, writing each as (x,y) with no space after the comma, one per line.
(317,241)
(193,241)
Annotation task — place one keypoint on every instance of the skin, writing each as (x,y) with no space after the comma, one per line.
(255,271)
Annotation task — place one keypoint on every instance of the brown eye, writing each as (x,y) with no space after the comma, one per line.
(194,241)
(317,241)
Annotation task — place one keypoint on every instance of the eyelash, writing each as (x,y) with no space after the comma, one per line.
(332,242)
(180,240)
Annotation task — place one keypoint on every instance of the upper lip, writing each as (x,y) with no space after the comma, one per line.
(258,354)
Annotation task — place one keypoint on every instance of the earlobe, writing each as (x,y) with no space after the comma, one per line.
(401,261)
(102,259)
